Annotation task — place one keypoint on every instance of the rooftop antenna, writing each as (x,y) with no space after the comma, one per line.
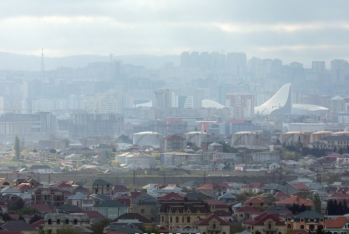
(42,64)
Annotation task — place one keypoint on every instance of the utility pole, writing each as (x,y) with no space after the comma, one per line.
(134,178)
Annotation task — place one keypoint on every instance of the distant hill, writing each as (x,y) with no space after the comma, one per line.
(9,61)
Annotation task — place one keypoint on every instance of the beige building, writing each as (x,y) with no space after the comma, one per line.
(177,214)
(55,221)
(213,225)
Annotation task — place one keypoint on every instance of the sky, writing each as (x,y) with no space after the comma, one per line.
(292,30)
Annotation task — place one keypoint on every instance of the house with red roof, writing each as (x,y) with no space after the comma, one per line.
(337,225)
(255,202)
(25,187)
(172,196)
(245,212)
(252,187)
(213,224)
(63,186)
(42,208)
(338,196)
(216,205)
(213,190)
(266,223)
(309,205)
(281,196)
(293,188)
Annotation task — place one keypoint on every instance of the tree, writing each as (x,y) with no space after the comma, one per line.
(17,147)
(68,230)
(235,228)
(152,229)
(269,199)
(99,226)
(35,218)
(28,211)
(317,202)
(6,217)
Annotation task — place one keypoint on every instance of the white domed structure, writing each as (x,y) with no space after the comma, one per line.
(196,137)
(147,138)
(246,138)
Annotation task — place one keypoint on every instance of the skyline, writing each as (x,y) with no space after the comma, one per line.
(289,30)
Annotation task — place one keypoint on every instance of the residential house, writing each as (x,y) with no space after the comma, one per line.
(265,156)
(135,216)
(265,223)
(227,198)
(253,187)
(213,224)
(100,186)
(172,143)
(271,188)
(307,220)
(145,205)
(225,215)
(111,209)
(175,214)
(41,169)
(337,225)
(309,205)
(19,225)
(255,202)
(5,183)
(216,205)
(244,212)
(213,190)
(54,221)
(293,188)
(50,196)
(281,196)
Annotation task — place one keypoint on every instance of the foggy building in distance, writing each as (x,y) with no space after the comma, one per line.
(237,63)
(184,102)
(339,70)
(241,105)
(163,99)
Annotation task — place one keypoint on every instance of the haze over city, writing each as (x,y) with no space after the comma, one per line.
(211,117)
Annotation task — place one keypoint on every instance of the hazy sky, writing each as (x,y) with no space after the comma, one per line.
(293,30)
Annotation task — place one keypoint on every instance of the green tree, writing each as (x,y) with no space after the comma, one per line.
(269,199)
(17,147)
(68,230)
(234,228)
(28,211)
(317,202)
(99,226)
(152,229)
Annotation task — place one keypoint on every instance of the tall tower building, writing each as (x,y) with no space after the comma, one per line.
(241,105)
(164,99)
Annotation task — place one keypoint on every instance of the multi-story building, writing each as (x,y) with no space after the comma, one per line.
(172,143)
(54,221)
(175,158)
(242,105)
(175,214)
(49,196)
(164,99)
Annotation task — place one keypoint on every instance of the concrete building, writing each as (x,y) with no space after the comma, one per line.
(172,143)
(241,105)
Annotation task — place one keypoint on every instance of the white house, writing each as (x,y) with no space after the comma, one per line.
(42,169)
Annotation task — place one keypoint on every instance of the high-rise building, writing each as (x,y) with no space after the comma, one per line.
(339,70)
(184,102)
(185,60)
(164,99)
(237,63)
(241,105)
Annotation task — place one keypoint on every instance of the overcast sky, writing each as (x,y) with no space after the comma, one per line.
(292,30)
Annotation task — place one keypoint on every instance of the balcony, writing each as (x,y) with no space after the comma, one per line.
(217,229)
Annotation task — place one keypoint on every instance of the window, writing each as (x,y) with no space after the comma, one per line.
(75,221)
(49,222)
(302,226)
(269,225)
(177,220)
(188,219)
(289,226)
(142,211)
(170,219)
(162,218)
(67,221)
(58,221)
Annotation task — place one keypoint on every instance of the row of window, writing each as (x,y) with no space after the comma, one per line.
(58,221)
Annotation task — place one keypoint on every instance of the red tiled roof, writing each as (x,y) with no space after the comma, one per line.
(92,214)
(171,196)
(247,209)
(339,195)
(254,201)
(124,199)
(14,216)
(216,203)
(209,187)
(261,219)
(300,186)
(281,194)
(339,222)
(207,220)
(61,185)
(41,207)
(295,200)
(135,194)
(38,223)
